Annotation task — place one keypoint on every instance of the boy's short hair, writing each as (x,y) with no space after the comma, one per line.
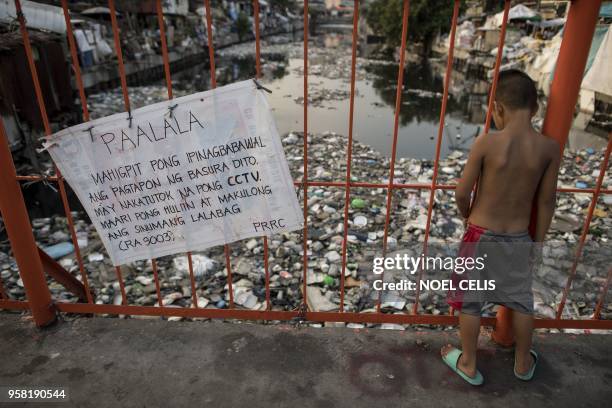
(516,90)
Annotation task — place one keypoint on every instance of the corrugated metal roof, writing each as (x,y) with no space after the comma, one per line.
(37,15)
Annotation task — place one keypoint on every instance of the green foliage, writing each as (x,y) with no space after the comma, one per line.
(243,26)
(282,4)
(426,18)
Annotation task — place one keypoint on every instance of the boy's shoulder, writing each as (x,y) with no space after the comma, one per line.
(482,141)
(547,145)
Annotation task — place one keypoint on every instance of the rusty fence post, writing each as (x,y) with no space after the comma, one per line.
(20,235)
(571,62)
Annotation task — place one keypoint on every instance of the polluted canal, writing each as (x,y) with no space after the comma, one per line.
(329,75)
(328,79)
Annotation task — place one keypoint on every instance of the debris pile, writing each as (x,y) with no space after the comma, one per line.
(366,224)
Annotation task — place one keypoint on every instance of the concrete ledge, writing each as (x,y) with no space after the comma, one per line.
(150,363)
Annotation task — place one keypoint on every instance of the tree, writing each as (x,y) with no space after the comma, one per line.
(282,4)
(426,19)
(493,5)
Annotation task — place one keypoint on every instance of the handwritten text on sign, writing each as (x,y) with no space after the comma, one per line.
(183,175)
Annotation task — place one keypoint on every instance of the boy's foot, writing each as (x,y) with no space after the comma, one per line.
(467,370)
(526,374)
(452,358)
(523,365)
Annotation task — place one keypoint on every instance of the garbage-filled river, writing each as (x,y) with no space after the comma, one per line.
(329,73)
(329,90)
(329,86)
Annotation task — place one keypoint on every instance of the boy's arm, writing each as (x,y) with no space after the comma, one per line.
(471,172)
(547,197)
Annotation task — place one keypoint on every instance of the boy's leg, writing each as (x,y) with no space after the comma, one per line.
(469,328)
(522,323)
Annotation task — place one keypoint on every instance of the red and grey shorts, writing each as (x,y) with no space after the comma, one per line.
(507,260)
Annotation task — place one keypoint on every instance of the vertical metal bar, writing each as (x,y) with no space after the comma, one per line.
(168,76)
(228,265)
(75,241)
(498,59)
(211,48)
(2,291)
(258,75)
(349,151)
(34,74)
(20,235)
(305,176)
(157,286)
(122,77)
(45,119)
(398,105)
(126,101)
(267,272)
(602,297)
(164,46)
(257,37)
(192,282)
(194,294)
(121,285)
(585,229)
(502,333)
(577,36)
(213,82)
(75,61)
(434,178)
(83,98)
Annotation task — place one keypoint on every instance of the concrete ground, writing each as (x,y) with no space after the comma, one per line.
(155,363)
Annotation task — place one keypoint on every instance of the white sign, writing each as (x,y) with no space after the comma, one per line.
(182,175)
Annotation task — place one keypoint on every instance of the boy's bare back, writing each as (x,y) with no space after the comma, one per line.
(512,166)
(515,168)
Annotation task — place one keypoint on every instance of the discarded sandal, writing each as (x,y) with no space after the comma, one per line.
(452,358)
(529,375)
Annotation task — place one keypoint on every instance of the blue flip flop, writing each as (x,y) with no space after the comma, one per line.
(529,375)
(451,359)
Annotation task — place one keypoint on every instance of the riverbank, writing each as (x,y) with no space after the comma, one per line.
(150,68)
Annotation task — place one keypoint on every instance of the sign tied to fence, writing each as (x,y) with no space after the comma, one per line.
(182,175)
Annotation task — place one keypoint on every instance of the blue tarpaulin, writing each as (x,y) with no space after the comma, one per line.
(598,36)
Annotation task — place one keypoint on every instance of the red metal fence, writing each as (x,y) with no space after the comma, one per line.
(578,33)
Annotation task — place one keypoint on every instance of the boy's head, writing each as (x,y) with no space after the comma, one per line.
(516,92)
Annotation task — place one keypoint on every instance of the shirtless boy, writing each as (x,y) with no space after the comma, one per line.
(513,168)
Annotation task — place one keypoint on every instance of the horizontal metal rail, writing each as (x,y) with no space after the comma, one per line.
(354,184)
